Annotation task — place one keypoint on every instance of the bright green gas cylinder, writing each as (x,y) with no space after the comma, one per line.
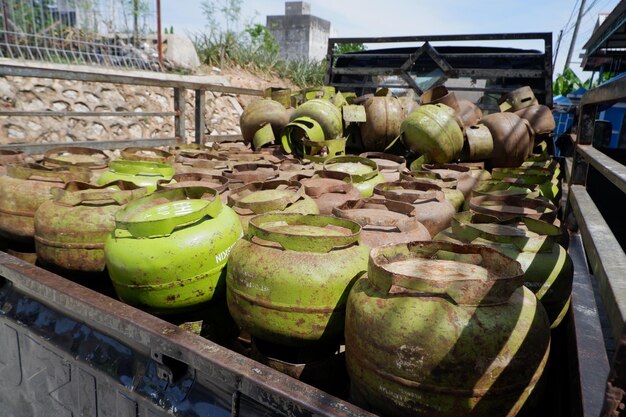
(169,250)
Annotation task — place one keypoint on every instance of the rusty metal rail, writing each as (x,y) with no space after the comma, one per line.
(586,210)
(180,84)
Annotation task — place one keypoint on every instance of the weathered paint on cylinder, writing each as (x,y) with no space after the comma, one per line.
(440,94)
(517,99)
(24,189)
(432,208)
(389,165)
(242,174)
(323,112)
(468,112)
(169,250)
(289,278)
(141,173)
(270,196)
(194,179)
(8,157)
(479,144)
(542,179)
(328,189)
(384,117)
(463,175)
(447,185)
(260,113)
(540,118)
(146,153)
(364,173)
(71,228)
(437,329)
(75,156)
(512,141)
(506,207)
(432,130)
(383,221)
(548,269)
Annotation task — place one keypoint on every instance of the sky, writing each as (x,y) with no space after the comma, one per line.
(372,18)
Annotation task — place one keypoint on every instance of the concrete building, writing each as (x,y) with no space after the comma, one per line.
(301,36)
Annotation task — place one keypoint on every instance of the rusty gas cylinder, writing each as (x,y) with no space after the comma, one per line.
(364,173)
(148,154)
(290,167)
(289,278)
(93,159)
(270,196)
(432,209)
(504,187)
(24,189)
(447,185)
(468,112)
(440,94)
(517,99)
(389,165)
(479,143)
(261,122)
(229,147)
(8,157)
(328,189)
(384,117)
(548,269)
(465,180)
(169,249)
(542,179)
(432,130)
(512,139)
(242,174)
(540,118)
(198,179)
(383,221)
(76,156)
(505,207)
(441,329)
(201,162)
(71,228)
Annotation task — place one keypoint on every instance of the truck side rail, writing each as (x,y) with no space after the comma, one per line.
(179,83)
(66,350)
(607,260)
(471,64)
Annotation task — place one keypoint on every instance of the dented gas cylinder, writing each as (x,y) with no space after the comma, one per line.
(439,329)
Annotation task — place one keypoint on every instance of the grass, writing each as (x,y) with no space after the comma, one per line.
(260,57)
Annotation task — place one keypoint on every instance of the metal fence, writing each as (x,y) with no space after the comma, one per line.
(120,33)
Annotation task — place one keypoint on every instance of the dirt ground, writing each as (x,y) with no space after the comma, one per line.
(238,77)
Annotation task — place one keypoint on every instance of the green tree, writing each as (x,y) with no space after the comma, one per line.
(344,48)
(566,82)
(261,39)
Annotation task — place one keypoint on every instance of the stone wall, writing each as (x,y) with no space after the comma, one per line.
(38,94)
